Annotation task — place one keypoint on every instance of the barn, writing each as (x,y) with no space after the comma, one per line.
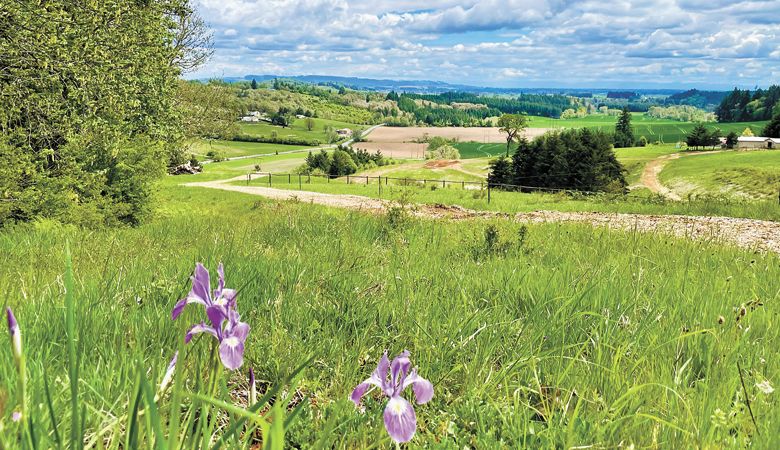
(753,142)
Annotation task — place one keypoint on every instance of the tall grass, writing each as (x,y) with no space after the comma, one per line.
(568,336)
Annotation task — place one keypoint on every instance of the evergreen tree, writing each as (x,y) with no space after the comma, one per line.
(500,171)
(731,140)
(624,133)
(571,159)
(700,136)
(772,129)
(254,83)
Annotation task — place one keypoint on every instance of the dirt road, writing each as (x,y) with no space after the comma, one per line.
(746,233)
(649,178)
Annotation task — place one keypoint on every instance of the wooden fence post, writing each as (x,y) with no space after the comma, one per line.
(488,193)
(269,179)
(299,182)
(289,178)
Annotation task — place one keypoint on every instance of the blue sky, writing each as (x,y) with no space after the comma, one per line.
(510,43)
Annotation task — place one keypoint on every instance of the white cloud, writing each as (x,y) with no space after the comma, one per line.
(500,42)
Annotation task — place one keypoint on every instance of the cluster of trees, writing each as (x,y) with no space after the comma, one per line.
(744,105)
(697,98)
(441,148)
(577,159)
(88,112)
(683,113)
(438,110)
(701,136)
(342,161)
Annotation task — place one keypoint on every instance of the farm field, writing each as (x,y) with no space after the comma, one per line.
(406,142)
(738,174)
(553,336)
(297,129)
(664,130)
(232,149)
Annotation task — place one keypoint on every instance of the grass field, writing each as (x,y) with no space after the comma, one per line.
(664,130)
(636,158)
(560,336)
(298,129)
(231,149)
(479,150)
(753,174)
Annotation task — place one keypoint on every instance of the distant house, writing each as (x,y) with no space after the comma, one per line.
(255,116)
(344,132)
(748,142)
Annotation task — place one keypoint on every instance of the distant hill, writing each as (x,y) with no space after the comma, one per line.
(432,87)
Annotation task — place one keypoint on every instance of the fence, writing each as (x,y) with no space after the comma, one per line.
(406,181)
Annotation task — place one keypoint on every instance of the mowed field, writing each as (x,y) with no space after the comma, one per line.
(663,130)
(737,174)
(408,142)
(298,129)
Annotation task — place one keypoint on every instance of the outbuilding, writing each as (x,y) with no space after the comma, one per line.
(754,142)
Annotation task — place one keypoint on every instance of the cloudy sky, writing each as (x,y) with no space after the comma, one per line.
(509,43)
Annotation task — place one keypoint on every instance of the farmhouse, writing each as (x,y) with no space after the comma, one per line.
(757,142)
(254,116)
(344,132)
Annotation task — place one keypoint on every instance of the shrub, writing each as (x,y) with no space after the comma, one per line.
(443,152)
(342,164)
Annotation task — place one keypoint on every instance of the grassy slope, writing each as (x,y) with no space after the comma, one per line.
(231,149)
(628,321)
(653,129)
(754,174)
(297,130)
(635,159)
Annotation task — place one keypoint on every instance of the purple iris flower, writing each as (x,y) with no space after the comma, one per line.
(16,335)
(393,378)
(223,320)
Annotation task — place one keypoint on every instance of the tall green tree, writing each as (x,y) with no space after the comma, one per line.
(500,171)
(88,119)
(772,129)
(254,84)
(512,125)
(570,159)
(700,136)
(624,132)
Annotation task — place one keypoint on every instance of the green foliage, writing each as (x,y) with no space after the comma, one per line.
(443,152)
(500,171)
(700,136)
(744,105)
(772,129)
(207,111)
(570,159)
(87,108)
(683,113)
(731,140)
(624,133)
(341,164)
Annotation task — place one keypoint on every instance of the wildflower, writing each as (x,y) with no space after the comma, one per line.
(393,378)
(166,381)
(16,416)
(252,388)
(224,321)
(16,336)
(765,387)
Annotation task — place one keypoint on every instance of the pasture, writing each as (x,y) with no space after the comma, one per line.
(297,130)
(737,174)
(663,130)
(542,336)
(232,149)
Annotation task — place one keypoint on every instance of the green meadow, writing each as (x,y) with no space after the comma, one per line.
(737,174)
(538,336)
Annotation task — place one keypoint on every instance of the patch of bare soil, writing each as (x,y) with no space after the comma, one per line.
(649,178)
(747,233)
(441,163)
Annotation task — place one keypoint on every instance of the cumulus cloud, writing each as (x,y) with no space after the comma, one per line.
(521,43)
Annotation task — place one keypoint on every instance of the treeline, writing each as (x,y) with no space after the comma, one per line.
(745,106)
(697,98)
(575,159)
(88,108)
(683,113)
(452,108)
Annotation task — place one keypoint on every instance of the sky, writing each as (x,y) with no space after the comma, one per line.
(707,44)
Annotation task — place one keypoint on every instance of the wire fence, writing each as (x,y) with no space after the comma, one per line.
(381,181)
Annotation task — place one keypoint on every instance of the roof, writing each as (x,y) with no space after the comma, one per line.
(757,139)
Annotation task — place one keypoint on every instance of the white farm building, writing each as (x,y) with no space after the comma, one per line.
(749,142)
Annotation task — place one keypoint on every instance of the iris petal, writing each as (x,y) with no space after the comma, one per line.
(231,352)
(199,328)
(423,389)
(400,420)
